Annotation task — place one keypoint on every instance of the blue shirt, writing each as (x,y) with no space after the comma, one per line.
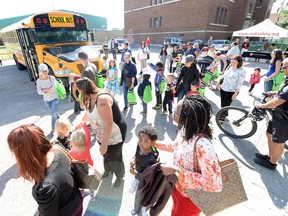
(123,52)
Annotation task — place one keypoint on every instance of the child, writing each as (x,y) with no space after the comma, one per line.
(194,88)
(62,128)
(80,149)
(255,79)
(140,91)
(146,155)
(112,77)
(169,94)
(75,95)
(158,68)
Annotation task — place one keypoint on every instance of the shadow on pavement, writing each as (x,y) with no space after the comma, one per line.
(11,173)
(107,200)
(130,124)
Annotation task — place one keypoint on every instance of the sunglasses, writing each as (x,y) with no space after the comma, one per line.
(284,67)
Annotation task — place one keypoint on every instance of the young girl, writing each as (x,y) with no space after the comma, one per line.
(163,56)
(63,131)
(194,88)
(255,79)
(169,95)
(112,77)
(80,149)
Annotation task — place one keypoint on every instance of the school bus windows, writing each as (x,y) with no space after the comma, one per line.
(61,35)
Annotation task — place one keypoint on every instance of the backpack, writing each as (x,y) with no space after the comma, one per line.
(60,89)
(147,94)
(278,80)
(162,86)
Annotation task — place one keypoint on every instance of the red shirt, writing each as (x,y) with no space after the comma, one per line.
(255,78)
(192,93)
(148,42)
(86,153)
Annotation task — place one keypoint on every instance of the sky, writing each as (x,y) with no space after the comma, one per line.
(113,10)
(277,4)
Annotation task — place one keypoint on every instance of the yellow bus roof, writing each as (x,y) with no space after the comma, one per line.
(28,22)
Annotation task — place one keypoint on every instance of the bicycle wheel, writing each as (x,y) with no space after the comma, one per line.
(235,122)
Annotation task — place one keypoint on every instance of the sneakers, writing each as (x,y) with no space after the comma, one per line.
(261,156)
(125,109)
(250,93)
(157,107)
(265,163)
(143,113)
(118,182)
(165,112)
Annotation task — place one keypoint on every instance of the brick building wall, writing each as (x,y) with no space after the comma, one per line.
(186,19)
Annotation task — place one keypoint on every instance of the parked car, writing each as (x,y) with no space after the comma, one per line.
(173,40)
(200,42)
(120,43)
(222,45)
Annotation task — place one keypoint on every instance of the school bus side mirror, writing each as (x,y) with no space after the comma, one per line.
(32,35)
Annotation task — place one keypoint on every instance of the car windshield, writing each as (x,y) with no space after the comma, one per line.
(61,35)
(167,40)
(218,42)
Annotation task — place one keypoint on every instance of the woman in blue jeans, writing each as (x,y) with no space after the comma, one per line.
(46,86)
(274,68)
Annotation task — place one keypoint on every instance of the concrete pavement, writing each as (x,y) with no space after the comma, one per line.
(266,190)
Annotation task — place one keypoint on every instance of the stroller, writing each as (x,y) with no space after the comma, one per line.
(205,75)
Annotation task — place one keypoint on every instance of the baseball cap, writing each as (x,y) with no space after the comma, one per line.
(189,58)
(145,71)
(42,67)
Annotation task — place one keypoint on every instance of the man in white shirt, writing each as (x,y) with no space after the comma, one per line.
(234,51)
(143,55)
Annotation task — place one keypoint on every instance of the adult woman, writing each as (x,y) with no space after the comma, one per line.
(274,68)
(224,62)
(128,73)
(192,116)
(188,74)
(46,87)
(174,59)
(54,190)
(212,51)
(169,50)
(232,82)
(143,53)
(108,124)
(163,56)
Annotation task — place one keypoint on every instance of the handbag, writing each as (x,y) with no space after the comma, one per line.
(232,192)
(128,82)
(131,97)
(85,175)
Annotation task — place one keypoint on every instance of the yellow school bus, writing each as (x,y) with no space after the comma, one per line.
(53,38)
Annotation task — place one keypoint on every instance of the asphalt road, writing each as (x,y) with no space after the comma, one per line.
(20,104)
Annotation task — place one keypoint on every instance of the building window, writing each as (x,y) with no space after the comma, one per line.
(221,15)
(260,3)
(150,22)
(160,21)
(217,15)
(156,22)
(224,17)
(250,8)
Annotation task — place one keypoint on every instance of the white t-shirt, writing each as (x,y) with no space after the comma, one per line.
(142,54)
(233,52)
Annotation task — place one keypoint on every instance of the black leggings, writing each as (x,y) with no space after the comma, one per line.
(251,87)
(226,98)
(113,160)
(158,98)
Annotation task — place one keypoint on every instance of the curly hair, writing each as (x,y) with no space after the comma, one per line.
(150,132)
(195,117)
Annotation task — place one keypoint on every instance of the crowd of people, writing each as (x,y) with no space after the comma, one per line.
(177,74)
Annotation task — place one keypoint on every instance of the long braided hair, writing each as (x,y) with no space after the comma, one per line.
(195,117)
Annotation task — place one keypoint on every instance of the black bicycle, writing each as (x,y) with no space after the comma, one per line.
(240,123)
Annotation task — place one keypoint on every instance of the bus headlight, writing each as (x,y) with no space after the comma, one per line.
(63,72)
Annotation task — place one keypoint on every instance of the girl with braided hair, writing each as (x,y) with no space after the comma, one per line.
(192,114)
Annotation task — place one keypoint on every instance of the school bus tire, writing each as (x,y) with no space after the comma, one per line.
(18,65)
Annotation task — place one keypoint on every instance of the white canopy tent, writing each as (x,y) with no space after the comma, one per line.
(264,29)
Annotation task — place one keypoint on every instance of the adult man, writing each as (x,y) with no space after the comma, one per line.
(90,70)
(193,50)
(234,51)
(277,129)
(210,41)
(114,46)
(128,77)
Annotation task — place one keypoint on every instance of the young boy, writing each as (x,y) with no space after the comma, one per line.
(140,91)
(169,94)
(158,68)
(146,155)
(62,128)
(80,149)
(194,88)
